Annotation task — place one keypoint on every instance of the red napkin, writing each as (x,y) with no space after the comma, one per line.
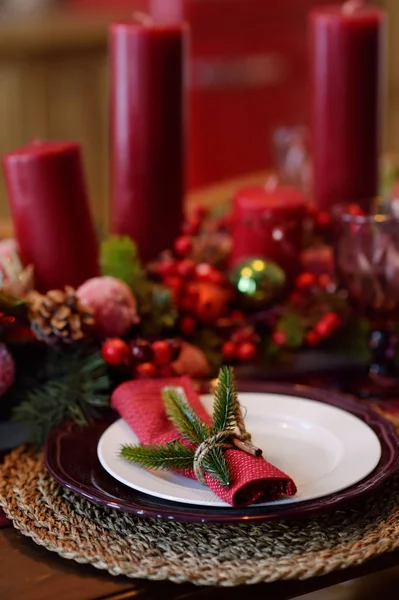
(253,479)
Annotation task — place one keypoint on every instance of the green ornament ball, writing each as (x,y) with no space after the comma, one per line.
(258,282)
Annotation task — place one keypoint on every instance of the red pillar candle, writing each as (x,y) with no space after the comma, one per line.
(148,133)
(347,49)
(267,222)
(50,212)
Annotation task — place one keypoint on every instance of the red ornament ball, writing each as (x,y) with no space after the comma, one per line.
(186,268)
(162,353)
(327,324)
(183,245)
(304,281)
(246,352)
(116,353)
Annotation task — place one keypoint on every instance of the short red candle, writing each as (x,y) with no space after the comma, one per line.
(267,222)
(50,212)
(346,55)
(148,133)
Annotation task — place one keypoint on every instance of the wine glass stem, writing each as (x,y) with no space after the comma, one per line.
(383,345)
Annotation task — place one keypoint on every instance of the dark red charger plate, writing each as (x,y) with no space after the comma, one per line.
(71,458)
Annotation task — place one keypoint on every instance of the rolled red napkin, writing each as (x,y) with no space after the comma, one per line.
(252,479)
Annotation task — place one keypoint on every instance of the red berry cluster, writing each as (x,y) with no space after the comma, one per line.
(309,282)
(324,328)
(146,359)
(242,345)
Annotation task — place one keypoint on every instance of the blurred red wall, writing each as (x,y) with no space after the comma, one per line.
(248,75)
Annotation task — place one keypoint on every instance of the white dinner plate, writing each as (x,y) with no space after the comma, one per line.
(323,448)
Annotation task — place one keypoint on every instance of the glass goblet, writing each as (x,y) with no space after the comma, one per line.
(367,265)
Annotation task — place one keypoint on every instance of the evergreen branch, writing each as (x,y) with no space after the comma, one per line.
(70,386)
(226,401)
(172,456)
(183,417)
(216,466)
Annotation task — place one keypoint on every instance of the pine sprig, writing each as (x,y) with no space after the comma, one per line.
(226,418)
(216,465)
(183,417)
(72,385)
(226,401)
(171,456)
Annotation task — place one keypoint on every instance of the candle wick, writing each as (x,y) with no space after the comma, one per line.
(352,6)
(271,183)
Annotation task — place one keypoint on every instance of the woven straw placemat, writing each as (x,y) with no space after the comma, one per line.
(205,555)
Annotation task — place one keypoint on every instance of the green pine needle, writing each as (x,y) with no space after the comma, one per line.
(183,417)
(226,401)
(216,465)
(71,386)
(172,456)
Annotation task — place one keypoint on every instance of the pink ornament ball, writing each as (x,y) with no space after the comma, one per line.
(7,369)
(113,304)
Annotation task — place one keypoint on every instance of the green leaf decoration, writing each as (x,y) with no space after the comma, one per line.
(226,401)
(12,306)
(72,385)
(183,417)
(295,328)
(119,258)
(172,456)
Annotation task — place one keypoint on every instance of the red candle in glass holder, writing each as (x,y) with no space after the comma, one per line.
(148,122)
(50,212)
(346,59)
(267,222)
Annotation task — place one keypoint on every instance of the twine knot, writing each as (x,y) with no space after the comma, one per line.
(223,439)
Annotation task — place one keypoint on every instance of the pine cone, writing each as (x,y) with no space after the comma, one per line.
(59,316)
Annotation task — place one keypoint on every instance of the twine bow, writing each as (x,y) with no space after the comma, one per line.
(224,439)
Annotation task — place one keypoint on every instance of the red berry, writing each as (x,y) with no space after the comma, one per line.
(162,353)
(229,350)
(193,226)
(183,245)
(246,352)
(187,325)
(166,267)
(279,337)
(323,219)
(116,352)
(186,268)
(216,277)
(203,271)
(354,210)
(175,285)
(312,338)
(146,371)
(332,319)
(242,335)
(304,281)
(141,351)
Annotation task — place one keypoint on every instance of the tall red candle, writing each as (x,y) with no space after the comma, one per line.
(148,133)
(347,49)
(267,222)
(50,212)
